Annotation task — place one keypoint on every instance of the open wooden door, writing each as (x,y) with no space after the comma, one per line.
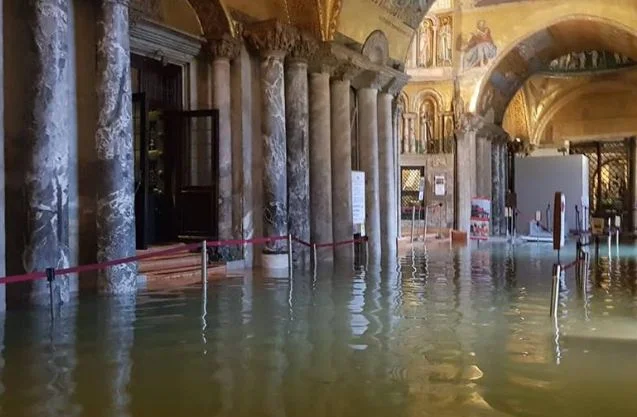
(196,173)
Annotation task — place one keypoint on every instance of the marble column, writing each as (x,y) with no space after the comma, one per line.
(273,40)
(223,51)
(387,182)
(497,207)
(114,145)
(483,165)
(342,222)
(368,137)
(47,146)
(321,164)
(504,175)
(298,152)
(466,134)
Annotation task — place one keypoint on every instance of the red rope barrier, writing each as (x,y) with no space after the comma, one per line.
(37,275)
(569,266)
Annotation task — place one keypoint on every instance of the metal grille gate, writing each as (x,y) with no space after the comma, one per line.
(410,188)
(609,176)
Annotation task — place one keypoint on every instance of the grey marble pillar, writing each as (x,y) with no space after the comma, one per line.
(483,166)
(469,125)
(497,209)
(223,51)
(368,138)
(298,172)
(273,40)
(342,225)
(114,145)
(503,166)
(48,144)
(321,164)
(387,182)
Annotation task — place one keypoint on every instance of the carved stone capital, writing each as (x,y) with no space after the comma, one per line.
(346,70)
(305,47)
(271,37)
(227,47)
(125,2)
(324,60)
(469,123)
(396,85)
(371,79)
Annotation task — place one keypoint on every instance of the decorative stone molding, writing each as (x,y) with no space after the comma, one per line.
(271,37)
(153,39)
(469,123)
(227,47)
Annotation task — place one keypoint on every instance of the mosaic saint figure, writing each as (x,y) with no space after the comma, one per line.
(480,49)
(444,43)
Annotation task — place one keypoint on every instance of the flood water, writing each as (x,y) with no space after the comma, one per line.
(452,333)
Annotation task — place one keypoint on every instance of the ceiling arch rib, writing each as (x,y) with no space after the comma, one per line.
(215,19)
(535,52)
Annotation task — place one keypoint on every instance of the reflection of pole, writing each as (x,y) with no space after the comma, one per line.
(555,289)
(290,263)
(204,263)
(413,221)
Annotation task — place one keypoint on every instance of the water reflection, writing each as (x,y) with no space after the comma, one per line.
(448,333)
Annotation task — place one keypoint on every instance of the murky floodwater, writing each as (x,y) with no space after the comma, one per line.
(452,334)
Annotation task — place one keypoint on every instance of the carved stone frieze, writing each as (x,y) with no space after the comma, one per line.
(271,36)
(226,46)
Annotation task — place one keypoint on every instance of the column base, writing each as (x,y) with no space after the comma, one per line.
(275,265)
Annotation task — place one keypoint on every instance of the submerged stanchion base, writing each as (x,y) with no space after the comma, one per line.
(275,265)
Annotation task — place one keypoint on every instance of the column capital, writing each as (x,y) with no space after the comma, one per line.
(345,70)
(323,60)
(469,123)
(305,48)
(227,47)
(271,37)
(396,85)
(371,79)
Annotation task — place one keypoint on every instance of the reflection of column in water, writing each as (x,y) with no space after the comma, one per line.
(39,375)
(115,339)
(2,362)
(298,397)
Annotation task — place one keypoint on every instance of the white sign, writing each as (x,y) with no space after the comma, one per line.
(559,221)
(439,185)
(421,189)
(358,197)
(618,221)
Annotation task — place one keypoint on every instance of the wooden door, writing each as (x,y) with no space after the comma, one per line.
(195,183)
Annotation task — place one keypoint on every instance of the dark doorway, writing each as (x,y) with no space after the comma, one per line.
(157,89)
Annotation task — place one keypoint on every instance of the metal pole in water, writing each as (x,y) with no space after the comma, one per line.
(424,237)
(290,263)
(50,276)
(617,238)
(204,262)
(555,289)
(413,221)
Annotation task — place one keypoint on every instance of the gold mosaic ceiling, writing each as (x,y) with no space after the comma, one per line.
(534,53)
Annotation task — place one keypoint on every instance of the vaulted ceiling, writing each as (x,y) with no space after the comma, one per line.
(535,53)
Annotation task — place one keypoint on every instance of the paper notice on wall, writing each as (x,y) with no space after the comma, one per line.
(358,197)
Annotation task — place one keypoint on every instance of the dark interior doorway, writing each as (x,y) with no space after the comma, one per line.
(157,89)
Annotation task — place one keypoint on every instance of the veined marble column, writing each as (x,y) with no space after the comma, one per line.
(298,152)
(483,165)
(368,134)
(387,182)
(223,51)
(497,210)
(342,222)
(469,126)
(47,171)
(273,40)
(114,144)
(321,164)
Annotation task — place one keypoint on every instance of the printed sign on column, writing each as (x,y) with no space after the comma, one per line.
(439,185)
(480,219)
(421,189)
(559,221)
(358,197)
